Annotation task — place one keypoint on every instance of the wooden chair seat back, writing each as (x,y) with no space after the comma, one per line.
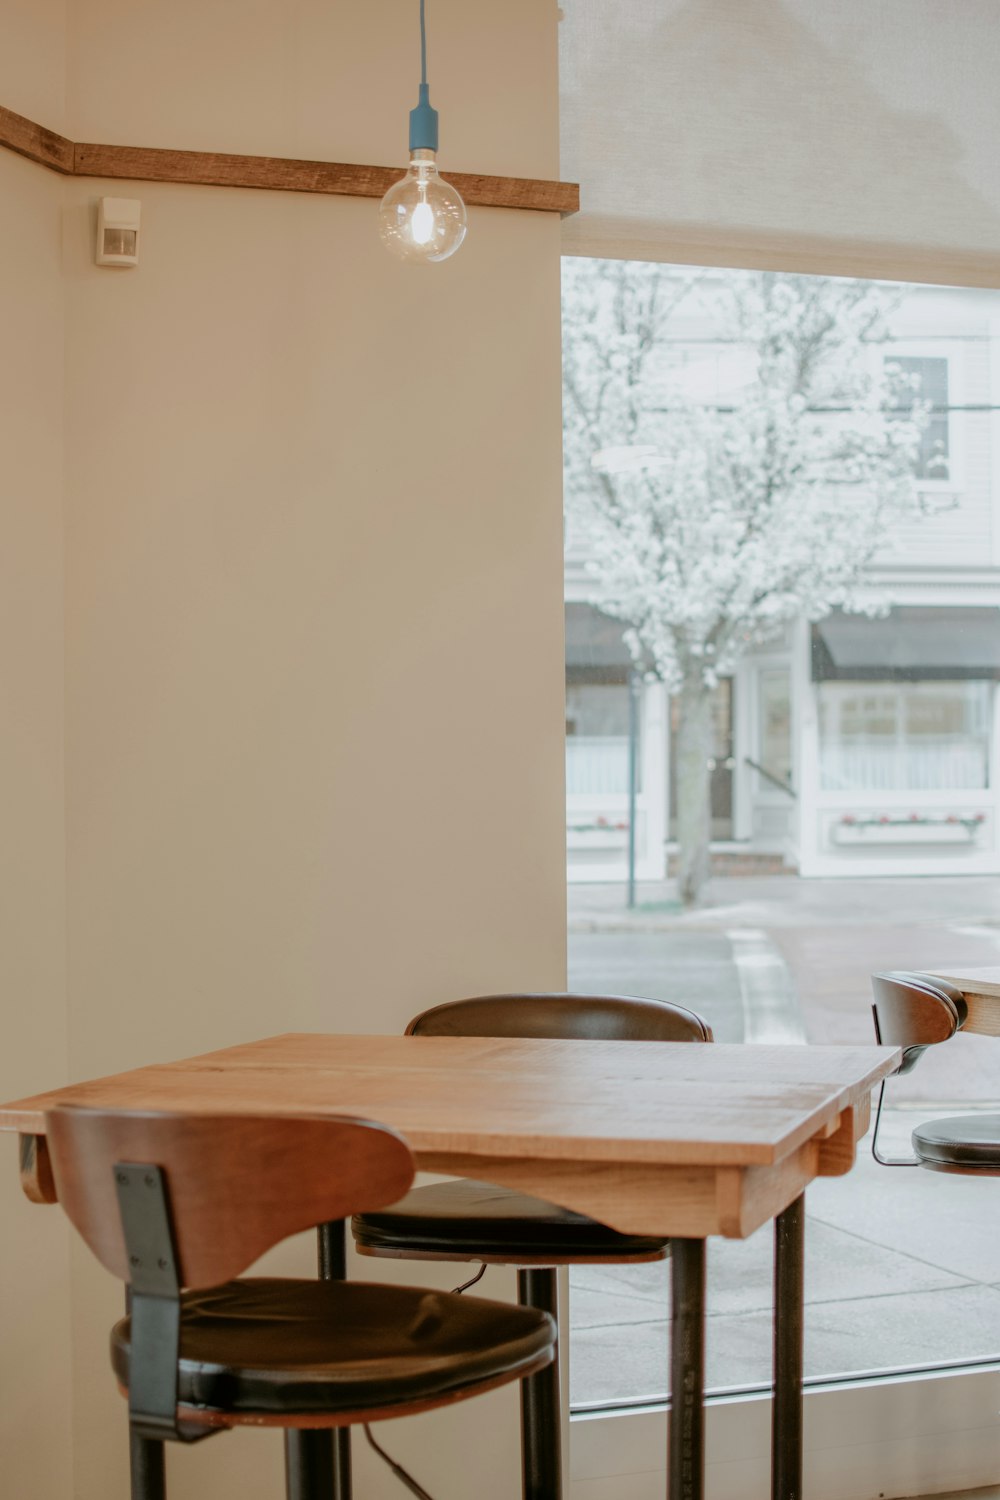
(914,1011)
(548,1016)
(236,1184)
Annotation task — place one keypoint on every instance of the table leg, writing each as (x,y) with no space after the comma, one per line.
(786,1411)
(332,1249)
(686,1456)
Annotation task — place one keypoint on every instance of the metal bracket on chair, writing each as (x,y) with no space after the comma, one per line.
(888,1161)
(155,1304)
(885,1161)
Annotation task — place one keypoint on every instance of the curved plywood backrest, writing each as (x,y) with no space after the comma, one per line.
(915,1011)
(603,1018)
(236,1184)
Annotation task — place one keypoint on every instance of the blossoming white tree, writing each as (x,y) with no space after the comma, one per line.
(710,520)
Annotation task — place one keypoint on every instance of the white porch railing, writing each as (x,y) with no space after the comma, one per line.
(904,768)
(597,765)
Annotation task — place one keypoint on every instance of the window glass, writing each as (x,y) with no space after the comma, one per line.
(741,509)
(597,739)
(775,747)
(926,380)
(905,736)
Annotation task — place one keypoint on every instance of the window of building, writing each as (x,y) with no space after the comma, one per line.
(904,736)
(597,739)
(925,379)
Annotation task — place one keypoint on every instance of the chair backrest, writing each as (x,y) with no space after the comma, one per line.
(605,1018)
(235,1184)
(915,1011)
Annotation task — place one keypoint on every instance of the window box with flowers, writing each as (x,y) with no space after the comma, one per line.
(601,833)
(914,828)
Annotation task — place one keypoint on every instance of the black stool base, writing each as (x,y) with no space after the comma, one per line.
(147,1468)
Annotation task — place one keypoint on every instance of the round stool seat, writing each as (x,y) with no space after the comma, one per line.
(463,1220)
(266,1346)
(961,1143)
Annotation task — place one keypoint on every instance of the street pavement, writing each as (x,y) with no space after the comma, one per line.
(814,943)
(902,1266)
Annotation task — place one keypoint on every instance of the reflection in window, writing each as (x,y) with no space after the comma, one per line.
(907,736)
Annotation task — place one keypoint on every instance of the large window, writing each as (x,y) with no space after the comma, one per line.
(826,633)
(902,737)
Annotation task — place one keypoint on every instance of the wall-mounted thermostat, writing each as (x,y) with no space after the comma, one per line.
(118,232)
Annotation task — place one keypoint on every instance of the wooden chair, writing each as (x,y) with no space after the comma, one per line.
(177,1206)
(917,1011)
(477,1221)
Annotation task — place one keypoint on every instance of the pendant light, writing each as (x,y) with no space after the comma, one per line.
(422,217)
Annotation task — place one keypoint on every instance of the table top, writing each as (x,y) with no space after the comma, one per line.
(981,988)
(621,1101)
(661,1138)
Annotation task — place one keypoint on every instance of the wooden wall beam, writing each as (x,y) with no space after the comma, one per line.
(282,174)
(286,174)
(35,142)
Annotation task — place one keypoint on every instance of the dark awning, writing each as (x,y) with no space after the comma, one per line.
(911,642)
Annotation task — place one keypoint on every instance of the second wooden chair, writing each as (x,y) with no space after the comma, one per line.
(477,1221)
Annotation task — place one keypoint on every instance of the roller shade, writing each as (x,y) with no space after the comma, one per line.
(909,643)
(856,137)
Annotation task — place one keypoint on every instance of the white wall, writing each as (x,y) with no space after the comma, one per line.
(313,589)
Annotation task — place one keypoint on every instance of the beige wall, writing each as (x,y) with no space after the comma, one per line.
(34,1348)
(313,588)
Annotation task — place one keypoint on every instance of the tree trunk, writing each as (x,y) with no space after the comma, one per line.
(692,749)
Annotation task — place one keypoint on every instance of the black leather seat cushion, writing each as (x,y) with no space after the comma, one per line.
(324,1346)
(963,1142)
(469,1219)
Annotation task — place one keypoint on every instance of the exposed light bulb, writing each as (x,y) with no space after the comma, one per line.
(422,217)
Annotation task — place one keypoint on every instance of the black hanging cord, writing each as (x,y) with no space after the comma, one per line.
(471,1281)
(400,1473)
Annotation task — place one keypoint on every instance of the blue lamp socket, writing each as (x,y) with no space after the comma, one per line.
(424,123)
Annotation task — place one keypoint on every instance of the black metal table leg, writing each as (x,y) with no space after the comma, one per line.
(332,1249)
(541,1407)
(786,1411)
(686,1456)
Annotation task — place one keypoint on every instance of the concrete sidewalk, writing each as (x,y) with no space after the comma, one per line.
(787,901)
(901,1271)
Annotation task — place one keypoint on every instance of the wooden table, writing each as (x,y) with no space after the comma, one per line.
(981,988)
(652,1138)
